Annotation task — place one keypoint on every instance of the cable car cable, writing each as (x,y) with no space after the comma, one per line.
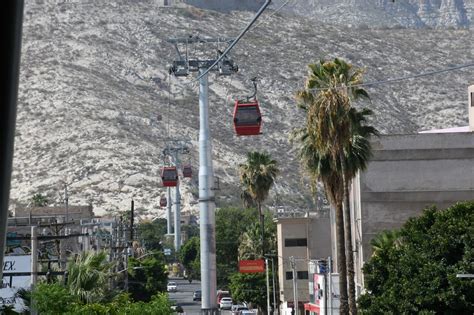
(236,40)
(400,79)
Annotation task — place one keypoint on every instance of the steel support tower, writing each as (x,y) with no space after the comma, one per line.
(182,67)
(174,150)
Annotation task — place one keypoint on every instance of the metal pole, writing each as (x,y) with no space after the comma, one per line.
(295,284)
(206,204)
(329,291)
(34,256)
(268,286)
(177,214)
(273,287)
(132,219)
(11,16)
(169,224)
(34,264)
(66,202)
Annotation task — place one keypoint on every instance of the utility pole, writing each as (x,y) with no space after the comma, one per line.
(268,286)
(66,202)
(182,67)
(132,218)
(295,284)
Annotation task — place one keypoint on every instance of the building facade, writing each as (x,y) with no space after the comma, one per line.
(407,174)
(300,240)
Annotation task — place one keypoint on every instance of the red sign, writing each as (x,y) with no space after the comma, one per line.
(251,266)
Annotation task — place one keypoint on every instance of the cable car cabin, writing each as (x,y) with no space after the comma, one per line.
(247,118)
(187,171)
(163,201)
(169,176)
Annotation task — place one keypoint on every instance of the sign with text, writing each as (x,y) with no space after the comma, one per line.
(251,266)
(11,284)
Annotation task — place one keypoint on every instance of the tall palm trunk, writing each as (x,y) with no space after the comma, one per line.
(348,241)
(341,259)
(259,206)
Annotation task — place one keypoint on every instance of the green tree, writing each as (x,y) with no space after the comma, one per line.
(52,299)
(414,271)
(39,200)
(88,276)
(152,234)
(231,223)
(334,146)
(147,277)
(249,288)
(250,246)
(257,177)
(189,256)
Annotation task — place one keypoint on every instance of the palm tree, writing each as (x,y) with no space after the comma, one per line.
(257,176)
(250,245)
(88,276)
(332,132)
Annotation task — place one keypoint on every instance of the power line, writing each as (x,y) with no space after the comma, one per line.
(400,79)
(269,16)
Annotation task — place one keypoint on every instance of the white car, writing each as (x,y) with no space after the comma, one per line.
(172,287)
(226,303)
(238,308)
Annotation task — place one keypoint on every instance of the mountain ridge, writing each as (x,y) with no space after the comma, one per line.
(87,105)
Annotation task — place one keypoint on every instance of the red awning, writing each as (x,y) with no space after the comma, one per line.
(311,307)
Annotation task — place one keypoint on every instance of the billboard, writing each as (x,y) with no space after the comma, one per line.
(10,284)
(251,266)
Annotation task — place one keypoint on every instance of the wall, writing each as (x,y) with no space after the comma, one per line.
(317,232)
(406,174)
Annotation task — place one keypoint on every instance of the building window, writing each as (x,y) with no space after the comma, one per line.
(301,275)
(295,242)
(472,99)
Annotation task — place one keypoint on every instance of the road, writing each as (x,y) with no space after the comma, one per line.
(184,296)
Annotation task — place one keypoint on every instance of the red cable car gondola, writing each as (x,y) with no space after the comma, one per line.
(247,118)
(169,176)
(247,115)
(187,171)
(163,201)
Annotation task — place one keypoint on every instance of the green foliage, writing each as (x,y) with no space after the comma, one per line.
(231,224)
(153,234)
(39,200)
(189,256)
(147,277)
(121,305)
(257,176)
(250,288)
(52,299)
(88,276)
(415,272)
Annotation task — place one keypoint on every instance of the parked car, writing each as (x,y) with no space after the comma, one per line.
(197,295)
(247,312)
(221,294)
(178,309)
(238,308)
(226,303)
(172,287)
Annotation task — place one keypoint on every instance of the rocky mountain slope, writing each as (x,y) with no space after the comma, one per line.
(387,13)
(87,107)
